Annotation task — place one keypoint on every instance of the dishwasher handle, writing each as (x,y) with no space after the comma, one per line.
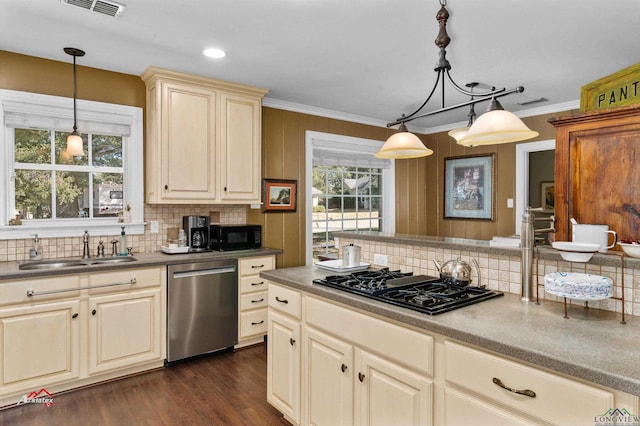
(200,272)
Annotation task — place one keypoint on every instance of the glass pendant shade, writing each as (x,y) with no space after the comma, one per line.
(74,146)
(403,145)
(458,133)
(497,126)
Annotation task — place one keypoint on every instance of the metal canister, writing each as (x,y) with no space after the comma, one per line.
(350,256)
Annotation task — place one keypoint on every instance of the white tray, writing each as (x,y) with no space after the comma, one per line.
(175,250)
(336,266)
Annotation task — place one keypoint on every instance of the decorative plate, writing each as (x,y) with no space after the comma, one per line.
(579,286)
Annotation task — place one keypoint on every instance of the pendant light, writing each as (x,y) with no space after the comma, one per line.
(74,141)
(496,126)
(507,130)
(403,145)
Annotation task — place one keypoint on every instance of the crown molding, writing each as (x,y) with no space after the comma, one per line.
(338,115)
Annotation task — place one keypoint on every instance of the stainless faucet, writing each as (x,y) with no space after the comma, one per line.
(527,242)
(85,247)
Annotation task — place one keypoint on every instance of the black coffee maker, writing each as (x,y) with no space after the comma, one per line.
(197,230)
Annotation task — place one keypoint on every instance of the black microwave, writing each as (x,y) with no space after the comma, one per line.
(234,237)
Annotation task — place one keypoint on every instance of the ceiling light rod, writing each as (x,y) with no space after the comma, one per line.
(478,99)
(442,68)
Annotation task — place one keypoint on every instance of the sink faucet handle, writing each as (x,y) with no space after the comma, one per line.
(114,247)
(100,249)
(85,245)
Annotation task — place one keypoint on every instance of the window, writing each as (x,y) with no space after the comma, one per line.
(56,195)
(348,189)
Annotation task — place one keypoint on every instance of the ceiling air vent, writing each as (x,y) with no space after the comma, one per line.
(98,6)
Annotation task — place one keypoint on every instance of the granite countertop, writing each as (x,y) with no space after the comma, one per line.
(10,270)
(592,344)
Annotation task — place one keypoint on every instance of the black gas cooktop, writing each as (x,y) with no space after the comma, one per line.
(421,293)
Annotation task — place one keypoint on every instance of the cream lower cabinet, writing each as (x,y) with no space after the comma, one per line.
(486,389)
(361,370)
(346,385)
(284,351)
(252,299)
(40,345)
(76,330)
(124,329)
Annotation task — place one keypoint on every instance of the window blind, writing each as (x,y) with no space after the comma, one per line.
(331,153)
(36,116)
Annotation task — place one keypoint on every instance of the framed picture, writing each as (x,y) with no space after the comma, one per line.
(547,196)
(279,195)
(469,187)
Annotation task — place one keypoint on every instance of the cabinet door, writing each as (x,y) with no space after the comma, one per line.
(386,394)
(187,143)
(124,329)
(329,370)
(40,345)
(240,148)
(283,365)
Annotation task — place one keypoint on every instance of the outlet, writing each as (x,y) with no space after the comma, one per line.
(155,227)
(380,259)
(509,203)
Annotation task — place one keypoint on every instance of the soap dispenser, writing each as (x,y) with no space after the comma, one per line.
(123,243)
(35,253)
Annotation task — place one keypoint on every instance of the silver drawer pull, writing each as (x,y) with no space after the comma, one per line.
(525,392)
(257,301)
(31,293)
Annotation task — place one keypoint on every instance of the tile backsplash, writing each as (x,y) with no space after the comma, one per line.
(168,216)
(502,272)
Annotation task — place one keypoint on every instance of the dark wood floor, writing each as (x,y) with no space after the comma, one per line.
(220,389)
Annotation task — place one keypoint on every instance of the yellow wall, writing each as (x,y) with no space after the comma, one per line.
(419,182)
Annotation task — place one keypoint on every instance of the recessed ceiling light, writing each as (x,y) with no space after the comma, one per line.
(212,52)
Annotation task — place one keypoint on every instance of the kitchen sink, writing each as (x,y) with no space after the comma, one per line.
(66,263)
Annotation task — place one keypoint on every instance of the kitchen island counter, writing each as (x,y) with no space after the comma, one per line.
(591,345)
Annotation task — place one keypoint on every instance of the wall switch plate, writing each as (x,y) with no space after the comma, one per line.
(255,205)
(380,259)
(155,227)
(509,203)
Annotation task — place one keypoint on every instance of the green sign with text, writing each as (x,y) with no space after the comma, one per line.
(616,90)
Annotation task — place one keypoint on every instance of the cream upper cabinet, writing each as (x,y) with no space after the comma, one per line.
(203,141)
(240,149)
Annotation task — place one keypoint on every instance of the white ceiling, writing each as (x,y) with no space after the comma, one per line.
(371,59)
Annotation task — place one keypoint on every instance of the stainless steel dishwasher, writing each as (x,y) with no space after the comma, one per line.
(202,308)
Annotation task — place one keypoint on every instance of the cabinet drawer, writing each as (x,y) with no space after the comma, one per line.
(254,265)
(64,286)
(253,301)
(253,323)
(557,400)
(252,284)
(145,277)
(409,348)
(285,300)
